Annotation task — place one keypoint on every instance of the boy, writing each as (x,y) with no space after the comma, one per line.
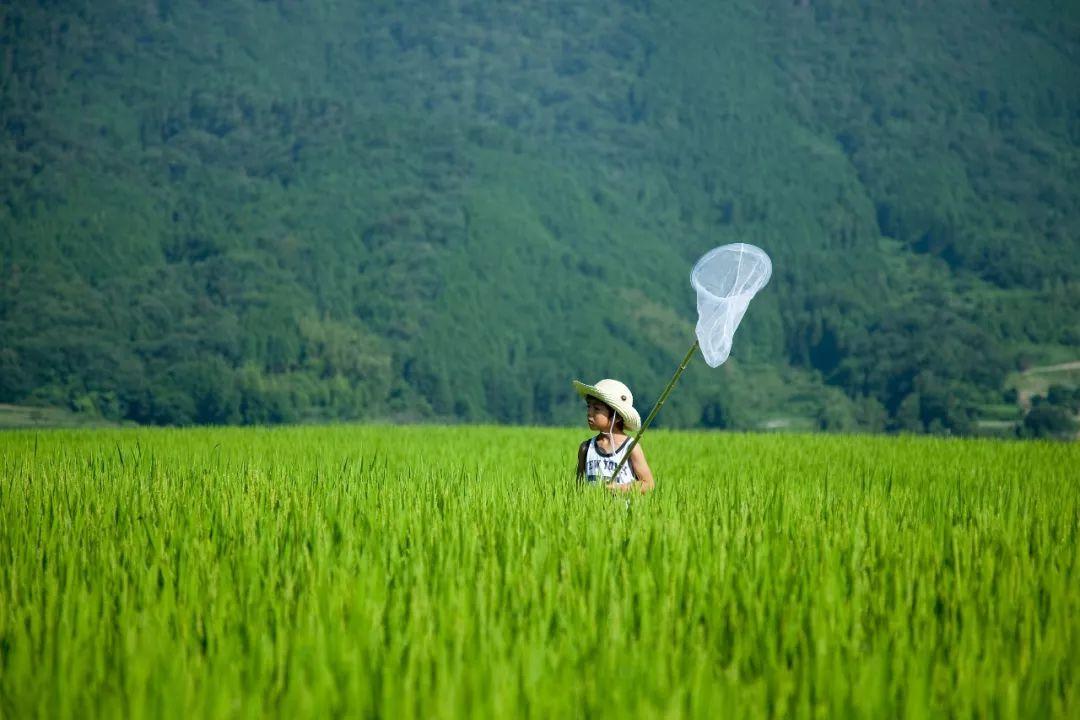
(610,411)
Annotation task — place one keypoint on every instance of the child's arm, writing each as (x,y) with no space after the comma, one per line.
(642,472)
(582,449)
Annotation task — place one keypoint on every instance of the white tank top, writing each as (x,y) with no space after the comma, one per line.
(600,465)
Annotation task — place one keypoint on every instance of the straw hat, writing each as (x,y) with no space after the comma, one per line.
(615,394)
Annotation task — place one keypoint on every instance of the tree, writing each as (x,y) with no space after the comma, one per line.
(1048,421)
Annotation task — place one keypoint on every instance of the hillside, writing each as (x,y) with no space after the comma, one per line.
(283,211)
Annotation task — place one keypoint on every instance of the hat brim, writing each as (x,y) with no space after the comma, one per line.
(630,416)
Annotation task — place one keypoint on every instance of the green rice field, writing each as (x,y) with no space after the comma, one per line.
(441,572)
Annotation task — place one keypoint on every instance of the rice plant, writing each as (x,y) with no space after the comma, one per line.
(448,572)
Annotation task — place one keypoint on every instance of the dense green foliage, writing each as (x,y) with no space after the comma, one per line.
(1048,421)
(280,211)
(436,572)
(1052,416)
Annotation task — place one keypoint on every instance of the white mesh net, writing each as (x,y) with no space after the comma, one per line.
(726,279)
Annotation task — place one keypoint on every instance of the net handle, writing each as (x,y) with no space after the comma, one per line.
(656,408)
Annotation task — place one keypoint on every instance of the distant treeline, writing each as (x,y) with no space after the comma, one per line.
(276,212)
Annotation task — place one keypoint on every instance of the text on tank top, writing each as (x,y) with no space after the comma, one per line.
(599,464)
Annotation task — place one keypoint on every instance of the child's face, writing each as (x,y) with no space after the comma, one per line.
(598,415)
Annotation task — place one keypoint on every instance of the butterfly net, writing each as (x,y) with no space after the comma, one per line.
(726,279)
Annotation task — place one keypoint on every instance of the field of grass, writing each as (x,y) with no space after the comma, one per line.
(445,572)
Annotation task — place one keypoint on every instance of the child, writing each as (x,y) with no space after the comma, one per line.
(610,410)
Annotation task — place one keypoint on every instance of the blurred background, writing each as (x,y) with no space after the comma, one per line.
(309,211)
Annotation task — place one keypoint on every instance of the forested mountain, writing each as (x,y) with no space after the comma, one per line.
(289,211)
